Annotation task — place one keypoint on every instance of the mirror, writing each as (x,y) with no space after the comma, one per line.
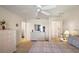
(40,28)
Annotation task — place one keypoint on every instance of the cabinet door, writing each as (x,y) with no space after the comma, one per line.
(8,41)
(1,41)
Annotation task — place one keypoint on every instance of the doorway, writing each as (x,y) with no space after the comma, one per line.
(56,28)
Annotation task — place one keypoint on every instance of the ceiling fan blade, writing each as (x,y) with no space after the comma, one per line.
(45,13)
(37,11)
(48,7)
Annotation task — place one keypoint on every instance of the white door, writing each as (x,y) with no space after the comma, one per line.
(56,28)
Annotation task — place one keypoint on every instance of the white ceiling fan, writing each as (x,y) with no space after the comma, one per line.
(43,9)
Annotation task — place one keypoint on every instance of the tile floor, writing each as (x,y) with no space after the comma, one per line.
(52,47)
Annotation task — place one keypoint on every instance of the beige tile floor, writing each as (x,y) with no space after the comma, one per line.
(52,47)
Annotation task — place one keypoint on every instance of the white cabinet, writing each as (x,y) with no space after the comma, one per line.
(37,35)
(7,41)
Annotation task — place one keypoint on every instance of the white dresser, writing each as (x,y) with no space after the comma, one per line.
(7,41)
(37,35)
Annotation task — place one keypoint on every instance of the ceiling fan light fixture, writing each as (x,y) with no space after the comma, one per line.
(38,10)
(39,6)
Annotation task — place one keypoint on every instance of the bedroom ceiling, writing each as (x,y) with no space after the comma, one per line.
(30,11)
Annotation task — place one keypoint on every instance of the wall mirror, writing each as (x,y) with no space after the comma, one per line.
(40,28)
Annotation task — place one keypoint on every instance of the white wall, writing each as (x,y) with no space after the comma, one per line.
(26,30)
(11,20)
(71,20)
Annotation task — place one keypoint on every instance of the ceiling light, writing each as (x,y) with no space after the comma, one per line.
(39,6)
(38,10)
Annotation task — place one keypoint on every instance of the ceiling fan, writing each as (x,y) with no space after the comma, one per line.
(42,9)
